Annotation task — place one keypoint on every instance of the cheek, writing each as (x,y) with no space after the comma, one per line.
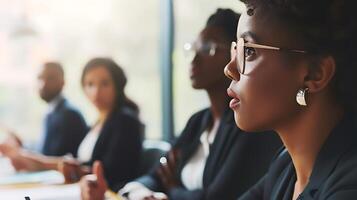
(90,93)
(215,67)
(108,94)
(267,96)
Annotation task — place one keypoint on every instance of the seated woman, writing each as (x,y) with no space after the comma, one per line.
(212,159)
(115,139)
(294,70)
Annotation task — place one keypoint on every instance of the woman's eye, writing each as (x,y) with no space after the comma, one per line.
(89,84)
(249,51)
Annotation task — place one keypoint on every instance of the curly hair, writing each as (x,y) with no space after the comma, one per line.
(224,18)
(326,27)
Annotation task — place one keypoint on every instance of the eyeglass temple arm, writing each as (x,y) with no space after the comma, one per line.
(260,46)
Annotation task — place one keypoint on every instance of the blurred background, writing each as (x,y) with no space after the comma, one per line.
(73,31)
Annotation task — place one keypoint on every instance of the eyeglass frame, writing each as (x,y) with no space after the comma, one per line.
(190,46)
(245,44)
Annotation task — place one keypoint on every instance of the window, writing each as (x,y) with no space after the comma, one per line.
(190,17)
(72,32)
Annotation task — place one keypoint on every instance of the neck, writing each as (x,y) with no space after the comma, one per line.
(53,98)
(103,114)
(219,100)
(304,135)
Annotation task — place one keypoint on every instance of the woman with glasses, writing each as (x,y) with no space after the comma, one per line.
(293,68)
(212,157)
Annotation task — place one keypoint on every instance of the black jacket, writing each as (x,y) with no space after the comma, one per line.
(119,147)
(236,160)
(64,130)
(334,175)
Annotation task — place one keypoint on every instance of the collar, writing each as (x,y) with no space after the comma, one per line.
(52,105)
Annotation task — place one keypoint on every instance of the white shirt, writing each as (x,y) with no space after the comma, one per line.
(85,149)
(192,173)
(54,103)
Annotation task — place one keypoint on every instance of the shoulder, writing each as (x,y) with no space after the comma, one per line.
(279,166)
(124,122)
(198,116)
(123,116)
(193,128)
(67,109)
(343,179)
(281,160)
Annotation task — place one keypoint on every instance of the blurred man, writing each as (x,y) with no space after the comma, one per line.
(63,126)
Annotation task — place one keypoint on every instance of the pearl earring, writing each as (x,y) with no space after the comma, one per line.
(301,96)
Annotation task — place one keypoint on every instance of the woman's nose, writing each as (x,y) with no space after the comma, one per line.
(231,71)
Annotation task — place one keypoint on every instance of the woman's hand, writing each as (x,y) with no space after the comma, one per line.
(94,186)
(72,170)
(18,157)
(167,170)
(156,196)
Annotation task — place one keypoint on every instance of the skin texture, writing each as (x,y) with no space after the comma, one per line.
(272,80)
(264,97)
(50,82)
(99,88)
(206,71)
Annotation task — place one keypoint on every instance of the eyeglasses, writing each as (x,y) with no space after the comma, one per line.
(203,48)
(241,50)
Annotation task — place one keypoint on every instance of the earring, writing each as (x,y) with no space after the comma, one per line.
(301,96)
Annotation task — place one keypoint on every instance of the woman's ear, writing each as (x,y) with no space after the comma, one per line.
(320,75)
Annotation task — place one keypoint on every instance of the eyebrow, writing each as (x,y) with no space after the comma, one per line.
(249,34)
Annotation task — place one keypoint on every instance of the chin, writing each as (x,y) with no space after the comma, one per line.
(248,125)
(196,85)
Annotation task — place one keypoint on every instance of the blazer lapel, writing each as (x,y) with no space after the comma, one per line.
(339,141)
(189,150)
(105,136)
(284,189)
(220,148)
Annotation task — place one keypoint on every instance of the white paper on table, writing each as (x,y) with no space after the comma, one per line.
(53,192)
(43,177)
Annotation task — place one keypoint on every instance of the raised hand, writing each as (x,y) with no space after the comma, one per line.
(94,186)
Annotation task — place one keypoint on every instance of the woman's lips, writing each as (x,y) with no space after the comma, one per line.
(193,72)
(234,103)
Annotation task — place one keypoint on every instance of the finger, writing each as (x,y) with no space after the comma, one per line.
(84,186)
(177,153)
(162,176)
(70,172)
(167,171)
(172,160)
(159,195)
(88,187)
(99,172)
(149,198)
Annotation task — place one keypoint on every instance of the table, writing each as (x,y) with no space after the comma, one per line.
(44,185)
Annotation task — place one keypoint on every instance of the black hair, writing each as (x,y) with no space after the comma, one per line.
(326,28)
(119,79)
(227,20)
(55,65)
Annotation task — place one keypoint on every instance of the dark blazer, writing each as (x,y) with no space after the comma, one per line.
(64,130)
(334,175)
(119,147)
(236,160)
